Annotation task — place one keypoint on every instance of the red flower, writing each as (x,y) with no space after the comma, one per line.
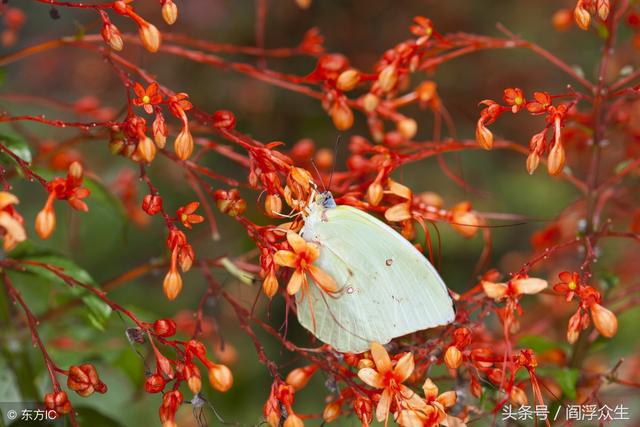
(515,98)
(186,214)
(147,98)
(178,104)
(542,100)
(569,284)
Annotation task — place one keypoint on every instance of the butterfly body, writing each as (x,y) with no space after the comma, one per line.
(387,288)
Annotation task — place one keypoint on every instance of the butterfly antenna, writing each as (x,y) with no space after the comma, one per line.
(335,156)
(324,189)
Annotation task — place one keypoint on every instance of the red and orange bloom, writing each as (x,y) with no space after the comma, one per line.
(542,100)
(147,98)
(301,258)
(433,413)
(569,284)
(389,379)
(178,104)
(515,98)
(11,222)
(187,216)
(514,288)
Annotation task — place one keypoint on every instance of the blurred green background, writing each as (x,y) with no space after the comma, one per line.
(104,243)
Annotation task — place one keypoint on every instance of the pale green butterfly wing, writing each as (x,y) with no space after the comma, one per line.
(389,288)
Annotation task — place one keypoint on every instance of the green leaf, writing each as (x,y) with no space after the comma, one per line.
(538,343)
(98,312)
(18,146)
(566,378)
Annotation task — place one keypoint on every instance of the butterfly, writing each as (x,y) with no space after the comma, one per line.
(387,288)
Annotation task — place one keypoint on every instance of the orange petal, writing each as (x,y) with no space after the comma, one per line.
(380,358)
(295,283)
(12,227)
(382,410)
(399,212)
(404,367)
(322,279)
(313,251)
(412,400)
(298,244)
(7,199)
(410,419)
(430,389)
(530,285)
(494,290)
(371,377)
(285,258)
(139,90)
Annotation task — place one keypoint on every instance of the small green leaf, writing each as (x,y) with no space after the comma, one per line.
(18,146)
(566,378)
(98,311)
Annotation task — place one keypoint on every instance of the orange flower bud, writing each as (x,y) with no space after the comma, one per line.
(430,198)
(84,380)
(388,77)
(555,162)
(146,150)
(347,80)
(604,320)
(532,162)
(299,377)
(183,145)
(273,205)
(172,284)
(75,170)
(220,377)
(154,383)
(453,357)
(160,131)
(562,19)
(603,9)
(582,17)
(45,222)
(331,412)
(164,327)
(111,36)
(293,421)
(407,127)
(342,116)
(324,158)
(150,36)
(517,396)
(370,102)
(303,4)
(464,221)
(169,12)
(270,285)
(484,137)
(426,91)
(57,401)
(374,193)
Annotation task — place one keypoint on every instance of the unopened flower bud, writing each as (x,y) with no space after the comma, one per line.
(224,119)
(370,102)
(150,37)
(582,16)
(407,127)
(84,380)
(347,80)
(152,204)
(172,284)
(484,137)
(299,377)
(154,383)
(183,145)
(45,222)
(517,396)
(532,162)
(146,150)
(556,160)
(388,77)
(375,193)
(164,327)
(220,377)
(331,412)
(293,421)
(273,205)
(57,401)
(342,116)
(270,285)
(604,320)
(111,36)
(169,12)
(464,221)
(453,357)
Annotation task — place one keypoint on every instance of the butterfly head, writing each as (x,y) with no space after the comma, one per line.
(325,200)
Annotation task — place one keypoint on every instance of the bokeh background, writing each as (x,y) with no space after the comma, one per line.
(106,243)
